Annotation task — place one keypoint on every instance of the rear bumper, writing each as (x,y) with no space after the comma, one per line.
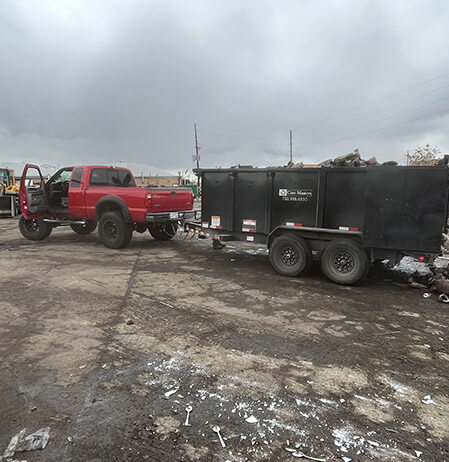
(164,217)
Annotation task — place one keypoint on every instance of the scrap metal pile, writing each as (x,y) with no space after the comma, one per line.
(352,159)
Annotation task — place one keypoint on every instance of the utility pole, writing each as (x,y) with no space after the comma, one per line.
(197,148)
(291,146)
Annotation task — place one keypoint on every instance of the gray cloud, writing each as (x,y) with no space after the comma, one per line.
(104,81)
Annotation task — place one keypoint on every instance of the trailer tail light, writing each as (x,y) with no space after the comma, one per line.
(422,258)
(148,201)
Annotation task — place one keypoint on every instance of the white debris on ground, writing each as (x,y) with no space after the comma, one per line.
(428,400)
(272,419)
(22,443)
(410,265)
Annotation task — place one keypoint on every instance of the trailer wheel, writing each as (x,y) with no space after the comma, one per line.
(290,255)
(113,231)
(88,228)
(35,229)
(344,262)
(163,232)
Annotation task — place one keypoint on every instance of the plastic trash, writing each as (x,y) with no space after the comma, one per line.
(188,410)
(171,392)
(443,298)
(21,443)
(300,454)
(216,429)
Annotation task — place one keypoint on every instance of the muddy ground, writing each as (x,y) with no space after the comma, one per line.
(355,372)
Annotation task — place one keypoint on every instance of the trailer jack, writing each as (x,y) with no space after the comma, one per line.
(217,244)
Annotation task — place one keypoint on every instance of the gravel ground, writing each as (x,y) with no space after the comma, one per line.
(109,347)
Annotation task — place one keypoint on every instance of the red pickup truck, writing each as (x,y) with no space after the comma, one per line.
(83,196)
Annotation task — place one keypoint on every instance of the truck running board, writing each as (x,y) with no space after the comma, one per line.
(65,222)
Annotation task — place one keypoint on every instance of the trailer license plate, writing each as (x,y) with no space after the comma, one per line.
(173,215)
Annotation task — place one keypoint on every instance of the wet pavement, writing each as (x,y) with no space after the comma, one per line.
(109,347)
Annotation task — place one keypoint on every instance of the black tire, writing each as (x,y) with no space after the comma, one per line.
(163,232)
(344,262)
(35,229)
(290,255)
(113,231)
(88,228)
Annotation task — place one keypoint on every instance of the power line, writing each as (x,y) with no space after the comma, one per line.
(357,117)
(391,95)
(393,115)
(444,111)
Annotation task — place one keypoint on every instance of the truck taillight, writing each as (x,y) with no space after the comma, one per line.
(148,201)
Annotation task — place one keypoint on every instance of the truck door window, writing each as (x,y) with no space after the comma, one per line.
(76,178)
(99,177)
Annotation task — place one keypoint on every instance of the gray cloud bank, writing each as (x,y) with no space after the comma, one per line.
(102,81)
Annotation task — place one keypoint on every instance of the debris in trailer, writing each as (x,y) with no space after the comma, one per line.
(427,295)
(22,443)
(251,419)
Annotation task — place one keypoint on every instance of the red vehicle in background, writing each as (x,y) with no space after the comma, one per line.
(85,196)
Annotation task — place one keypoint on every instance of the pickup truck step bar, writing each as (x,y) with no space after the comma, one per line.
(65,222)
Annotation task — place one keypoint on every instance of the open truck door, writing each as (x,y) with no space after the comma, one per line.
(32,193)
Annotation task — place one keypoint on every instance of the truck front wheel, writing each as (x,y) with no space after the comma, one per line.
(163,232)
(87,228)
(290,255)
(344,262)
(35,229)
(113,231)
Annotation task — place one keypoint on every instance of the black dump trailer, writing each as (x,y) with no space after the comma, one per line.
(346,218)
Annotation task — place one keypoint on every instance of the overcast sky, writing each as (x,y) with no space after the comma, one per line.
(102,81)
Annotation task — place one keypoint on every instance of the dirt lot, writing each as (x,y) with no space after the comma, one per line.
(360,372)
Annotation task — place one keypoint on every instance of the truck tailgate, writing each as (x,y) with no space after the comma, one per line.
(171,199)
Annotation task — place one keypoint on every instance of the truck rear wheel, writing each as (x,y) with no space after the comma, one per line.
(113,231)
(344,262)
(290,255)
(163,232)
(35,229)
(87,228)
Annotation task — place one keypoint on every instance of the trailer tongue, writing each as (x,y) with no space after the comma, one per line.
(346,218)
